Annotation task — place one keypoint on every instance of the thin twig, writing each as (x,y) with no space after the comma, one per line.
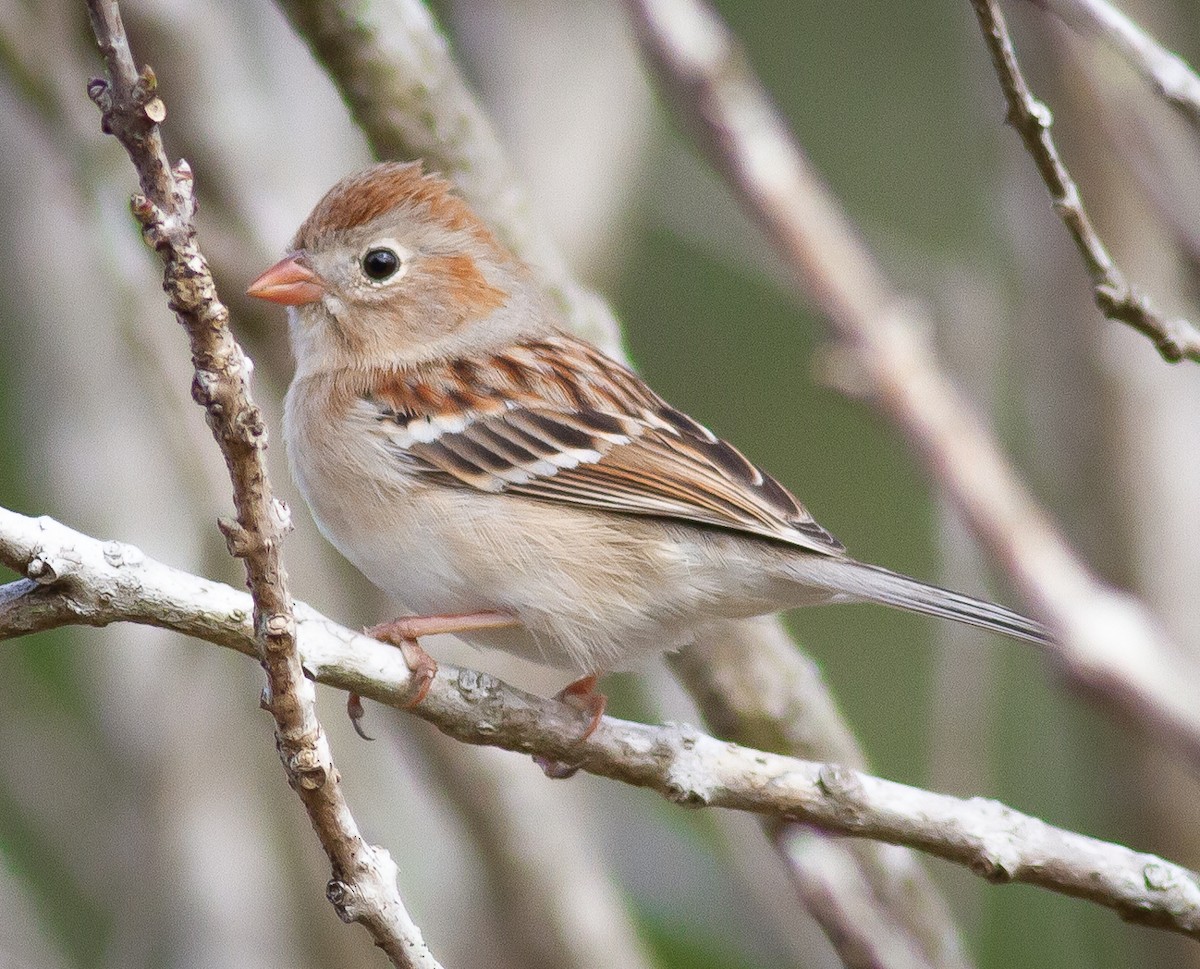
(1105,642)
(363,886)
(395,72)
(819,868)
(754,687)
(1168,73)
(70,578)
(1175,339)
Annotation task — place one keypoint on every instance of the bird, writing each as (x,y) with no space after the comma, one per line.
(505,480)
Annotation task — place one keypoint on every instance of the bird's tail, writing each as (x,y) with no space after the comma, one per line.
(874,584)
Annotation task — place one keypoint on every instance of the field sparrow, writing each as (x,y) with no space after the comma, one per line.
(508,481)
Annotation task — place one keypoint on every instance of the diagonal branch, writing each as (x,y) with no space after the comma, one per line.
(1175,339)
(818,868)
(363,886)
(1168,73)
(1106,643)
(70,578)
(862,893)
(395,72)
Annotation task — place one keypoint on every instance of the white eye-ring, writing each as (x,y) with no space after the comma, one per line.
(385,261)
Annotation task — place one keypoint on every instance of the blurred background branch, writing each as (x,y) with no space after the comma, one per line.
(1170,74)
(1175,339)
(1107,643)
(894,111)
(71,577)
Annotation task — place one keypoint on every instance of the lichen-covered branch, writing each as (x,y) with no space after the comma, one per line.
(363,886)
(1176,339)
(1105,642)
(70,578)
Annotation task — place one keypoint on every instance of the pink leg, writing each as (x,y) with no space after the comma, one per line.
(583,696)
(412,628)
(405,631)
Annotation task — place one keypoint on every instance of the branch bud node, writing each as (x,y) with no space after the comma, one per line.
(306,769)
(41,570)
(118,554)
(143,210)
(279,627)
(100,93)
(251,427)
(343,898)
(237,539)
(147,84)
(155,110)
(281,515)
(839,782)
(204,384)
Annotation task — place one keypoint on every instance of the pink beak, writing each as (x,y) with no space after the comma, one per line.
(289,283)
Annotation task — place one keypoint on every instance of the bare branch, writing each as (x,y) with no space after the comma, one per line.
(363,886)
(819,869)
(757,689)
(1175,339)
(71,578)
(1106,643)
(396,74)
(1168,73)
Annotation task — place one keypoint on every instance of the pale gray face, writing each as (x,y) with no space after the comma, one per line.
(391,268)
(365,270)
(404,290)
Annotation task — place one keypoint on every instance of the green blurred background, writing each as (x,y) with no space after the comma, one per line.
(897,107)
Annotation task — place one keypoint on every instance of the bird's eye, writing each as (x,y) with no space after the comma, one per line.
(380,263)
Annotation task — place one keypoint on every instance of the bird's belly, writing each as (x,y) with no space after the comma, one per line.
(591,592)
(406,546)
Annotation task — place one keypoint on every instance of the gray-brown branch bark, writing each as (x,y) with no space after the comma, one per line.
(1106,643)
(363,885)
(73,579)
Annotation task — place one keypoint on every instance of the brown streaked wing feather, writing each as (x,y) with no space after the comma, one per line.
(580,428)
(650,476)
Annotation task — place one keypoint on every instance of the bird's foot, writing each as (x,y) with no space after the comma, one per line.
(583,696)
(405,632)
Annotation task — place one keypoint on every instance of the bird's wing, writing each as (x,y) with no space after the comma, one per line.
(557,420)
